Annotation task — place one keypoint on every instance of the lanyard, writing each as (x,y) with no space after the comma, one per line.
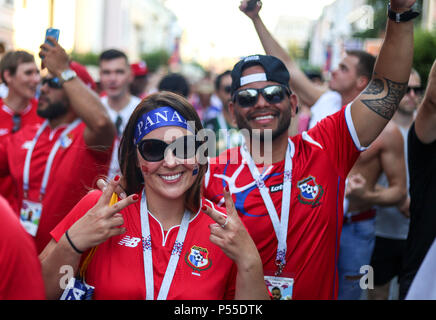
(54,150)
(280,226)
(148,257)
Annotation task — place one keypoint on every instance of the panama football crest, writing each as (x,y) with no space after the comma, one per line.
(198,259)
(310,192)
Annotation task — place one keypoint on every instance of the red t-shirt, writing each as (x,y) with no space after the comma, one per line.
(117,268)
(75,170)
(21,276)
(28,117)
(321,161)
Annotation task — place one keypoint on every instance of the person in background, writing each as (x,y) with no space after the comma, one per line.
(140,80)
(350,78)
(223,126)
(176,83)
(21,77)
(115,80)
(422,171)
(392,223)
(54,164)
(191,250)
(20,268)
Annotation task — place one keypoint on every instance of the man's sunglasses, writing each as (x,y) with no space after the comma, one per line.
(153,150)
(417,90)
(227,89)
(272,94)
(53,83)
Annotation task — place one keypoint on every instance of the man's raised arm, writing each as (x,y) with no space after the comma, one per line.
(377,104)
(425,124)
(305,89)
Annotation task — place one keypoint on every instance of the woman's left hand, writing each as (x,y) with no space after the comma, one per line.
(230,234)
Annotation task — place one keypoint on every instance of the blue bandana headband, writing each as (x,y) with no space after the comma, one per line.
(158,118)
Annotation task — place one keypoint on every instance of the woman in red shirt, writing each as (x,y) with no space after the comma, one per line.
(164,241)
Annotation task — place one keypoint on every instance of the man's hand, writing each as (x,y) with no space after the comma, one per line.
(252,14)
(54,58)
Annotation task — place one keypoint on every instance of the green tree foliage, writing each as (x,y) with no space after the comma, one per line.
(156,58)
(425,52)
(87,59)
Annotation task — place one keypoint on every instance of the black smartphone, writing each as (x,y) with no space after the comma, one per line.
(251,5)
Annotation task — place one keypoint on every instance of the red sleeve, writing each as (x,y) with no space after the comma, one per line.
(20,269)
(75,214)
(337,136)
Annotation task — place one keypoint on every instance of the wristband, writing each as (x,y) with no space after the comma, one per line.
(402,17)
(72,244)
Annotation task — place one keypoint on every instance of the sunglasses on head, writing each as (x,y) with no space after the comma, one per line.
(53,83)
(417,90)
(272,94)
(153,150)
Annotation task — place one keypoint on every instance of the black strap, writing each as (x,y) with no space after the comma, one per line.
(72,244)
(402,17)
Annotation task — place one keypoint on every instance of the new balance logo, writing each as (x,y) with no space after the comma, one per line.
(129,242)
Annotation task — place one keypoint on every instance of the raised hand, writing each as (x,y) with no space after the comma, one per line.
(250,13)
(230,234)
(54,57)
(101,222)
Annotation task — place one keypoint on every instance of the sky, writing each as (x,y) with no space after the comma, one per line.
(217,28)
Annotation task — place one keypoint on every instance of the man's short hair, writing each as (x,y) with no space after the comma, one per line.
(113,54)
(175,83)
(366,64)
(12,60)
(220,77)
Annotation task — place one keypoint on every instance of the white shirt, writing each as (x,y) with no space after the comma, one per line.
(424,285)
(329,103)
(4,90)
(125,114)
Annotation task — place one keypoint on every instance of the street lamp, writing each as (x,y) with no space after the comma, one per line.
(51,13)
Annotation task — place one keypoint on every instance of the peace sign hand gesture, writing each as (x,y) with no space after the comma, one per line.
(101,222)
(230,234)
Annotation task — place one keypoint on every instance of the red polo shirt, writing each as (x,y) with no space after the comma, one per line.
(321,161)
(117,268)
(28,117)
(75,170)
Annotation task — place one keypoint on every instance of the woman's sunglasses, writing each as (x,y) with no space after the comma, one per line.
(153,150)
(272,94)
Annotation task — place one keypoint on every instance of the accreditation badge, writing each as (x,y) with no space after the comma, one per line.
(281,288)
(30,216)
(77,290)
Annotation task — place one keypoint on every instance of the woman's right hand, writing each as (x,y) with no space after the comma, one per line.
(102,221)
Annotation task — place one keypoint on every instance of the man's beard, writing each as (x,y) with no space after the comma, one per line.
(53,111)
(283,125)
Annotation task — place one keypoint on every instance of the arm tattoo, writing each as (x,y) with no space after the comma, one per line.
(384,106)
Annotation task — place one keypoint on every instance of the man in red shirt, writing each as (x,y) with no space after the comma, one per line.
(20,74)
(55,164)
(290,196)
(20,268)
